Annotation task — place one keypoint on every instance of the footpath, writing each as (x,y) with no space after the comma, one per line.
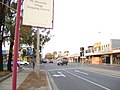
(6,84)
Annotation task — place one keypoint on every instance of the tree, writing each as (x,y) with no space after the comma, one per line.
(26,35)
(45,36)
(10,26)
(48,56)
(2,28)
(54,54)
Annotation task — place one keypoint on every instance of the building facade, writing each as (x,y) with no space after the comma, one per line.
(104,52)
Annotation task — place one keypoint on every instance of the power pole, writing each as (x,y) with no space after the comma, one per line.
(37,65)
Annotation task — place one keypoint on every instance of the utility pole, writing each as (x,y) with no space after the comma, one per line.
(37,65)
(82,54)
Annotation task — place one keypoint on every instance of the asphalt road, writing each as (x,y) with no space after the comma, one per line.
(73,77)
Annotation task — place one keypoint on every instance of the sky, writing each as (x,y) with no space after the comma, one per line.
(80,23)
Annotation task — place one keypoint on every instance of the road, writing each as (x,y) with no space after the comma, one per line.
(74,77)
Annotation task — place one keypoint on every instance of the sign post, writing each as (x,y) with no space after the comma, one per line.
(14,77)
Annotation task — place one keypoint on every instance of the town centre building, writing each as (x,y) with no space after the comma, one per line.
(108,53)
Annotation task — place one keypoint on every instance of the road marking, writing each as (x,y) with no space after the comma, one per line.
(101,73)
(55,69)
(81,72)
(88,80)
(62,69)
(59,75)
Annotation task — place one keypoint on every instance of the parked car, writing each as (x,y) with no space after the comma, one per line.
(62,62)
(23,62)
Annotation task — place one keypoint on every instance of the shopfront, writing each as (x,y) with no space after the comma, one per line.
(116,58)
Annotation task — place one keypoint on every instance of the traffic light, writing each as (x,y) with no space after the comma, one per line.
(81,51)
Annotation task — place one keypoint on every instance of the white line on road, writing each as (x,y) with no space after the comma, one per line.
(88,80)
(81,72)
(61,69)
(59,75)
(55,69)
(100,73)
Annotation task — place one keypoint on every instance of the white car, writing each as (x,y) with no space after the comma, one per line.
(23,62)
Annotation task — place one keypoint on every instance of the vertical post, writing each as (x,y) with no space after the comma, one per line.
(111,56)
(38,58)
(82,59)
(14,78)
(111,59)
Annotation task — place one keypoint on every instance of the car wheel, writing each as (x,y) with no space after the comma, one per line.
(25,64)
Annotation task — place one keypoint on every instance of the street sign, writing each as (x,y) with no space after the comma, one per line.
(38,13)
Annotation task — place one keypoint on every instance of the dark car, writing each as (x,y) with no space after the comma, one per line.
(45,60)
(50,61)
(62,62)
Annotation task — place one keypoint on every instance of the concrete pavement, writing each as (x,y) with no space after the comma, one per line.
(21,76)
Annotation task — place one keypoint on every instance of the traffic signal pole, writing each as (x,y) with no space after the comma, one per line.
(82,59)
(82,55)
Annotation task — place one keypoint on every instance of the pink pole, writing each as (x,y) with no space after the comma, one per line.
(14,77)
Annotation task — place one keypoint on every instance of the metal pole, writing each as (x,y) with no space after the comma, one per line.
(14,78)
(82,59)
(38,58)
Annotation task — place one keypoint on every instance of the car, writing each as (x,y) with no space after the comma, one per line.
(50,61)
(45,60)
(62,62)
(23,62)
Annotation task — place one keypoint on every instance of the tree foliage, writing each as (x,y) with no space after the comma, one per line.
(2,28)
(7,27)
(26,35)
(49,56)
(10,30)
